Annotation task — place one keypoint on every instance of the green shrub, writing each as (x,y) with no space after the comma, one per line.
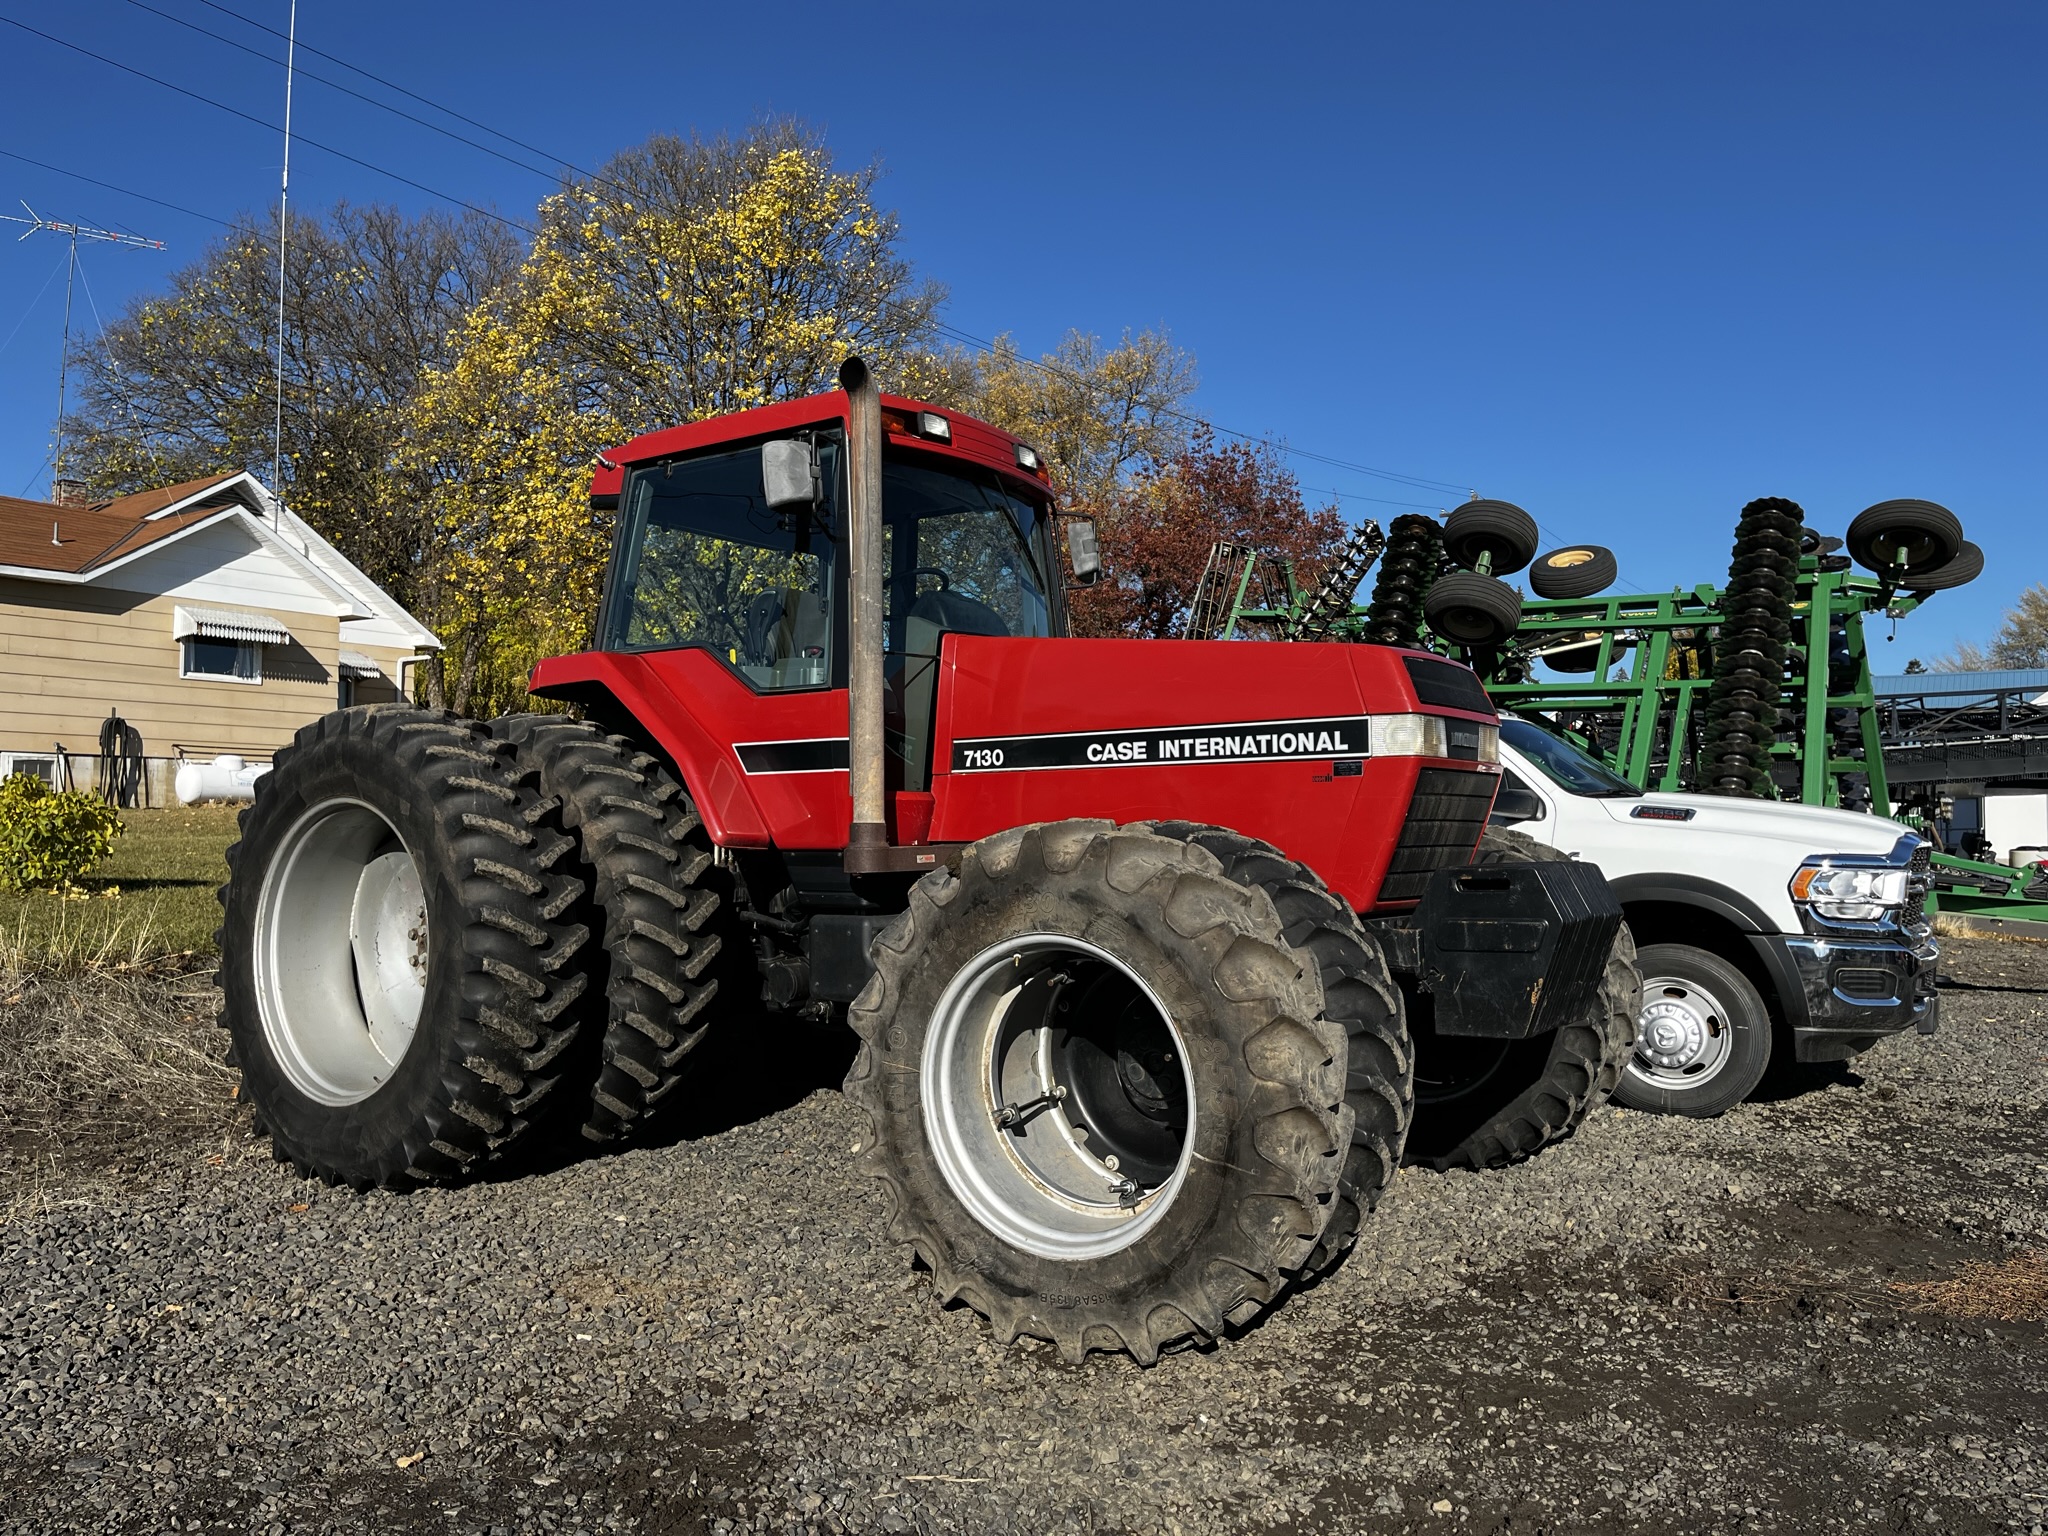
(49,838)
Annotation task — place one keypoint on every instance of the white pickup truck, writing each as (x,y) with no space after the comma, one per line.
(1754,920)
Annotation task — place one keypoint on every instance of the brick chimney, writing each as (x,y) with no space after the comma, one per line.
(69,493)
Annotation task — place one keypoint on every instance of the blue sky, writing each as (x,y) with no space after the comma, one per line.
(1628,266)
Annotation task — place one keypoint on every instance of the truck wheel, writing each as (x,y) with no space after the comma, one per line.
(399,983)
(1703,1038)
(643,851)
(1359,994)
(1103,1098)
(1487,1103)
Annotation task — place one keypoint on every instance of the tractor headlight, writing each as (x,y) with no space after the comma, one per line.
(1409,736)
(1848,893)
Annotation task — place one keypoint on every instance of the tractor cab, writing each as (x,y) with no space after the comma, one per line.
(737,550)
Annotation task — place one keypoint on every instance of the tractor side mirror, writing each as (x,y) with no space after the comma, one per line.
(1513,804)
(788,478)
(1084,551)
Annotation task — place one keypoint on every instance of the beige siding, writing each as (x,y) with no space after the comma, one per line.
(68,655)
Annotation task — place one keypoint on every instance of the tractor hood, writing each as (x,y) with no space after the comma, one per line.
(1806,829)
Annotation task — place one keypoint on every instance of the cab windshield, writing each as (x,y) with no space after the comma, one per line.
(704,561)
(1571,770)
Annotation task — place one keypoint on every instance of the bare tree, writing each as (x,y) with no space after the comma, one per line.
(184,383)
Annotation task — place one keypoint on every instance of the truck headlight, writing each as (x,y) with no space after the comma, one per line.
(1848,893)
(1409,736)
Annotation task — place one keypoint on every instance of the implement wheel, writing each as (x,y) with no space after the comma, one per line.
(399,981)
(1104,1099)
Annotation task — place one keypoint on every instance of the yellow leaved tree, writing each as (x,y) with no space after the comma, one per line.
(686,279)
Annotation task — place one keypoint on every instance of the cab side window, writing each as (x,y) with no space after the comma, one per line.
(706,562)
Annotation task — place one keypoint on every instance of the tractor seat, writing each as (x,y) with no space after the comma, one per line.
(784,630)
(937,613)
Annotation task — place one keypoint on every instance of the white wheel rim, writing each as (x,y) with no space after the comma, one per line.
(340,952)
(999,1038)
(1684,1037)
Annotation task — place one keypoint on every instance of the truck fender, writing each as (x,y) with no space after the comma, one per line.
(1692,891)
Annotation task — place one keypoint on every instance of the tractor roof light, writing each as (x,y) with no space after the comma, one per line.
(932,424)
(1028,461)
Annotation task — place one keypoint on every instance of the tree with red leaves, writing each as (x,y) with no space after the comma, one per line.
(1157,529)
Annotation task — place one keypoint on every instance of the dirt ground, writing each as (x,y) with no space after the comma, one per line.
(1826,1311)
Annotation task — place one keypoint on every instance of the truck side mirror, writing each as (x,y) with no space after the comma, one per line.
(787,476)
(1084,551)
(1513,804)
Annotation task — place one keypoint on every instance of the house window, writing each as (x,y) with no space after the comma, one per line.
(345,692)
(44,768)
(234,661)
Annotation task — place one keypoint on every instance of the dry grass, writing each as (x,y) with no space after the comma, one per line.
(1959,926)
(2013,1290)
(100,1066)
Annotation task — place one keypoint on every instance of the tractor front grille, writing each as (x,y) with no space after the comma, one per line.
(1444,822)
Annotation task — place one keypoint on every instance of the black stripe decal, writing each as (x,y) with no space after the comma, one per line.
(1256,741)
(824,754)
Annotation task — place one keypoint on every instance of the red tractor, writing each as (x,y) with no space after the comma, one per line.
(1140,940)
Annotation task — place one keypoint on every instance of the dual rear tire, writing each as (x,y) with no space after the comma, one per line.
(443,938)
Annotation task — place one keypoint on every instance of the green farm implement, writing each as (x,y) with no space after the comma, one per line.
(1758,687)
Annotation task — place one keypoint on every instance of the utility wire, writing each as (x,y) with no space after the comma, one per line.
(247,117)
(59,170)
(336,85)
(1417,482)
(32,303)
(953,332)
(412,95)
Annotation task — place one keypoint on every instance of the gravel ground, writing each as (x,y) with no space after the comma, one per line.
(1818,1313)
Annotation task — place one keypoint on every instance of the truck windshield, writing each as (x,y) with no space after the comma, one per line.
(1562,763)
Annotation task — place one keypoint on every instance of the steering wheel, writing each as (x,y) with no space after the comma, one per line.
(945,581)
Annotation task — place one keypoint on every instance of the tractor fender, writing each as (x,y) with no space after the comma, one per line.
(622,695)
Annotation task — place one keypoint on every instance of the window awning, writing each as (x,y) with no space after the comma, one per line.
(227,624)
(360,667)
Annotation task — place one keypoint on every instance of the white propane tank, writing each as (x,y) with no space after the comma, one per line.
(227,777)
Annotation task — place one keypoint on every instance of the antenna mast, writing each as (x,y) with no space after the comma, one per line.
(37,224)
(284,182)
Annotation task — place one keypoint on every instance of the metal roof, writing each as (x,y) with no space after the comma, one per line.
(1921,685)
(189,620)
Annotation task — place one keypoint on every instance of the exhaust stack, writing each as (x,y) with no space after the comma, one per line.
(867,848)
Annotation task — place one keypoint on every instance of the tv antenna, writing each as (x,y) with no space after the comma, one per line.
(37,224)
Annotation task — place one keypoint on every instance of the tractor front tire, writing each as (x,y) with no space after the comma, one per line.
(1102,1095)
(667,966)
(1489,1103)
(1358,994)
(399,973)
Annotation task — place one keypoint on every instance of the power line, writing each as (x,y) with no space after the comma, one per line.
(1392,476)
(247,117)
(59,170)
(336,85)
(32,303)
(412,95)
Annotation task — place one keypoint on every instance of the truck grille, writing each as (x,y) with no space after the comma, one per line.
(1444,821)
(1919,879)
